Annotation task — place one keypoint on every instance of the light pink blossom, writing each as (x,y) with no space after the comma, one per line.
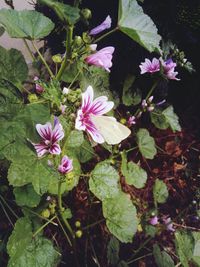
(50,138)
(106,24)
(148,66)
(169,224)
(66,165)
(88,110)
(102,58)
(154,220)
(131,120)
(169,69)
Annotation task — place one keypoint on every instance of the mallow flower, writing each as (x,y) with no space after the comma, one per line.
(50,138)
(150,66)
(169,69)
(38,88)
(102,58)
(106,24)
(90,118)
(65,166)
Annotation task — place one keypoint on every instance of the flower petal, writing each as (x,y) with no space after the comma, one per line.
(87,98)
(40,148)
(101,106)
(57,133)
(44,130)
(106,24)
(55,149)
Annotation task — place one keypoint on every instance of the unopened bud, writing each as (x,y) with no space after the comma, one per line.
(86,13)
(79,234)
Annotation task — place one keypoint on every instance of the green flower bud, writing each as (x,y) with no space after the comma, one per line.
(45,213)
(57,58)
(78,40)
(123,120)
(79,234)
(78,224)
(86,13)
(32,98)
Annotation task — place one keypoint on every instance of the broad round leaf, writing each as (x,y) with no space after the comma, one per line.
(28,24)
(26,196)
(104,181)
(172,119)
(137,25)
(121,218)
(146,144)
(160,192)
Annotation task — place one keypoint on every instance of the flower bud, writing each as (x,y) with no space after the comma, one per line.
(78,224)
(86,13)
(57,58)
(123,120)
(78,40)
(32,98)
(45,213)
(79,234)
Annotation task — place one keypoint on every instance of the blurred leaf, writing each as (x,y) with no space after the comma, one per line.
(184,247)
(158,119)
(27,251)
(121,217)
(130,95)
(66,13)
(172,119)
(113,251)
(26,196)
(162,259)
(138,26)
(2,30)
(75,139)
(12,65)
(160,191)
(122,264)
(146,144)
(104,181)
(85,152)
(134,174)
(28,24)
(196,252)
(150,230)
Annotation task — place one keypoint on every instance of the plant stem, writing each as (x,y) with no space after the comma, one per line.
(67,52)
(131,149)
(6,214)
(11,210)
(93,224)
(144,256)
(76,3)
(105,35)
(141,247)
(29,50)
(61,210)
(43,226)
(148,95)
(67,237)
(43,60)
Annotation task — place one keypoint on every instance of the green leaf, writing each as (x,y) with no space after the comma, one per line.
(75,139)
(28,24)
(138,26)
(113,251)
(184,247)
(130,95)
(134,174)
(121,218)
(26,196)
(1,31)
(196,252)
(158,119)
(162,259)
(66,13)
(160,192)
(27,251)
(104,181)
(146,144)
(12,65)
(85,152)
(172,119)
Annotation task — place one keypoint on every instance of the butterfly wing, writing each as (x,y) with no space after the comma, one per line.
(112,131)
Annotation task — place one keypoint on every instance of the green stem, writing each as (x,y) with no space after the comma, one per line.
(67,237)
(74,79)
(29,50)
(93,224)
(141,247)
(76,3)
(43,226)
(6,214)
(133,148)
(105,35)
(10,209)
(43,60)
(61,209)
(142,257)
(148,95)
(67,52)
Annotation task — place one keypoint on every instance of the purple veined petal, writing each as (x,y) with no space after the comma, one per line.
(55,149)
(101,106)
(148,66)
(66,165)
(106,24)
(45,131)
(79,125)
(94,133)
(87,98)
(58,132)
(41,149)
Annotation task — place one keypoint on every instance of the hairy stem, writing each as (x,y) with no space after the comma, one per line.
(105,35)
(28,49)
(43,60)
(68,51)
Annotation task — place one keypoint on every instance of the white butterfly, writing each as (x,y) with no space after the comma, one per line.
(112,131)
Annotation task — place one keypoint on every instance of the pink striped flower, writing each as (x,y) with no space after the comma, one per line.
(169,69)
(106,24)
(148,66)
(50,138)
(88,110)
(66,165)
(38,88)
(102,58)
